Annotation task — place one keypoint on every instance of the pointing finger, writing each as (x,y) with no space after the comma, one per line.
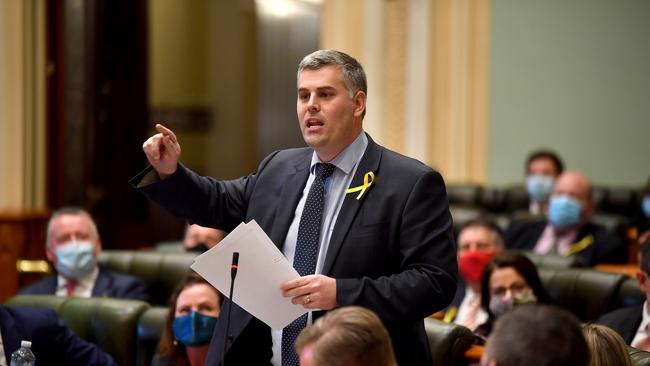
(166,131)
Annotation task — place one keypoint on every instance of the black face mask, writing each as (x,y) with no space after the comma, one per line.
(198,248)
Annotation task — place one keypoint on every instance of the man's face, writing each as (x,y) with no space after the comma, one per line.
(476,238)
(329,118)
(542,166)
(577,186)
(68,228)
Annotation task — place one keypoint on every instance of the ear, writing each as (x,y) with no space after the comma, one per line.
(642,280)
(359,103)
(98,247)
(49,253)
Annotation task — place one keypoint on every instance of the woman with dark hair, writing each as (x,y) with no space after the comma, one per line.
(193,314)
(509,280)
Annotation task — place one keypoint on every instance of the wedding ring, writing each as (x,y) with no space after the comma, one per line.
(308,300)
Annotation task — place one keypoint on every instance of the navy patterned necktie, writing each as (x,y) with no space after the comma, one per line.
(306,255)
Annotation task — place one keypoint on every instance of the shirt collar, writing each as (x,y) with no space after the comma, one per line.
(84,283)
(646,317)
(348,158)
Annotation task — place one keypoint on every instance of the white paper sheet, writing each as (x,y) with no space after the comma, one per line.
(262,268)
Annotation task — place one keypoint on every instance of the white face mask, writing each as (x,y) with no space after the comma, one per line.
(500,306)
(75,259)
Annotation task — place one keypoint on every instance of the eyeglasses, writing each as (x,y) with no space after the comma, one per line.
(516,288)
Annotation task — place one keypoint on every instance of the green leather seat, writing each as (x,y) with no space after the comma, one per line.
(108,323)
(448,342)
(553,261)
(150,328)
(639,357)
(587,293)
(161,271)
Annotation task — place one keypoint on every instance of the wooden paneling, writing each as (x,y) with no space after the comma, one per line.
(22,235)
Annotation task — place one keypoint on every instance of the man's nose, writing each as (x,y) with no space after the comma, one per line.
(313,105)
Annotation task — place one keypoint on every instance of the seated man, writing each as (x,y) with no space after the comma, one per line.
(478,241)
(542,169)
(72,245)
(53,343)
(567,231)
(632,322)
(536,335)
(347,336)
(199,238)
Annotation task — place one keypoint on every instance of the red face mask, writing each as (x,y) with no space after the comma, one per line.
(472,264)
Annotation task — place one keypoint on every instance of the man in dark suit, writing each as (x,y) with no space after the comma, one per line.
(567,230)
(73,244)
(479,240)
(632,322)
(385,240)
(53,343)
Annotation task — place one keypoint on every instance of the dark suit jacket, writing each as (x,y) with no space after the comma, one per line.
(53,343)
(391,251)
(605,248)
(108,284)
(624,321)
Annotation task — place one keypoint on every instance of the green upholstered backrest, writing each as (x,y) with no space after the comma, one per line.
(161,271)
(585,292)
(150,328)
(639,357)
(109,323)
(448,341)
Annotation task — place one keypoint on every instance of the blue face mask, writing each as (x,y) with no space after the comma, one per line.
(194,328)
(539,187)
(564,212)
(645,205)
(75,259)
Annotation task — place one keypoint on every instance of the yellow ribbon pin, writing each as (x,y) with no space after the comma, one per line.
(367,182)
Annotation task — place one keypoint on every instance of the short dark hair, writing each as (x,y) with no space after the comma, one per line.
(538,335)
(545,154)
(524,266)
(354,78)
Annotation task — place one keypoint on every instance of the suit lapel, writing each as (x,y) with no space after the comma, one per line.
(291,193)
(102,285)
(12,333)
(369,163)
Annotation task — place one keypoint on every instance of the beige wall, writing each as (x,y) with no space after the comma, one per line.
(22,83)
(426,62)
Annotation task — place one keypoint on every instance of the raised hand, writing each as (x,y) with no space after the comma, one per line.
(163,151)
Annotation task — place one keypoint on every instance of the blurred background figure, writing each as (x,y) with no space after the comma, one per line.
(510,280)
(199,239)
(632,322)
(347,336)
(642,220)
(567,229)
(542,169)
(72,246)
(53,343)
(606,346)
(536,335)
(478,241)
(193,314)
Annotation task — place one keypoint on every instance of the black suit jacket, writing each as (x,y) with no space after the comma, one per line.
(108,284)
(624,321)
(605,247)
(53,343)
(391,251)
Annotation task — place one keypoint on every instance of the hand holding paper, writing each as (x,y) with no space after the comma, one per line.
(262,269)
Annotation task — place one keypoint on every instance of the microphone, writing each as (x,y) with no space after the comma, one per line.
(233,273)
(233,267)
